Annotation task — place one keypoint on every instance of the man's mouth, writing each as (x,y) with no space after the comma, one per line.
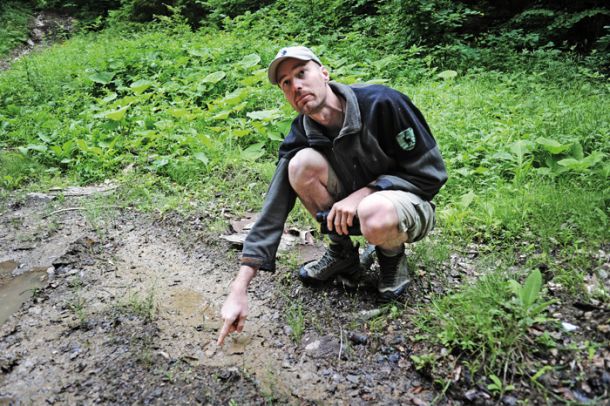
(300,98)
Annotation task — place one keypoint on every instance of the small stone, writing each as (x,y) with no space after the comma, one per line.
(509,400)
(353,379)
(357,337)
(288,330)
(394,357)
(471,395)
(568,326)
(603,328)
(606,378)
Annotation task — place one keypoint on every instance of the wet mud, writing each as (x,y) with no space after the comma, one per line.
(127,310)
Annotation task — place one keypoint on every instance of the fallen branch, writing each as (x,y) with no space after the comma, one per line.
(80,208)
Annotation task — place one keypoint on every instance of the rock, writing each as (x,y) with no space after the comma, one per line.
(471,395)
(353,379)
(323,347)
(369,314)
(357,337)
(568,326)
(603,328)
(288,330)
(509,400)
(580,397)
(394,357)
(40,197)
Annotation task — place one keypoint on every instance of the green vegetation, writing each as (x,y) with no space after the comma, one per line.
(296,321)
(14,17)
(186,120)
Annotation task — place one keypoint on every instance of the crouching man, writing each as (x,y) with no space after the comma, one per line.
(362,152)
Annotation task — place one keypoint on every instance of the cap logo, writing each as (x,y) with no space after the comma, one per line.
(284,52)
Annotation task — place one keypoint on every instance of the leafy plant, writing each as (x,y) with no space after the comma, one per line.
(296,321)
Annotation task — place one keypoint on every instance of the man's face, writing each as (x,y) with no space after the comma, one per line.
(303,84)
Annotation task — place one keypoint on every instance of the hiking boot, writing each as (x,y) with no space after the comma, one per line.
(393,276)
(337,260)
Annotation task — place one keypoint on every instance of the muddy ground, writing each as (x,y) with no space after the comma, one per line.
(125,308)
(115,306)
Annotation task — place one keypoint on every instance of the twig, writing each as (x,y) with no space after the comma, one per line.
(340,342)
(79,208)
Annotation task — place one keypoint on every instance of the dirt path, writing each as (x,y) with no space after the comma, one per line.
(128,311)
(45,28)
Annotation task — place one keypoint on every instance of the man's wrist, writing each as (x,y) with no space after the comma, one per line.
(243,278)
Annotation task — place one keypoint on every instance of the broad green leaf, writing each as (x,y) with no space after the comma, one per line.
(521,147)
(178,113)
(101,77)
(467,199)
(256,77)
(274,136)
(223,115)
(553,146)
(160,162)
(214,77)
(44,138)
(200,53)
(235,97)
(116,115)
(249,61)
(531,288)
(447,74)
(515,287)
(253,152)
(240,132)
(377,81)
(576,151)
(264,115)
(82,145)
(112,96)
(200,156)
(23,150)
(39,148)
(140,86)
(594,158)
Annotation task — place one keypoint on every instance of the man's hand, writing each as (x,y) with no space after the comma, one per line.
(341,215)
(235,309)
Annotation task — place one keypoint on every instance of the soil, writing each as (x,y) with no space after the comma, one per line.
(123,307)
(128,311)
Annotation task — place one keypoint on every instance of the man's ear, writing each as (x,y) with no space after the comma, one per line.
(325,73)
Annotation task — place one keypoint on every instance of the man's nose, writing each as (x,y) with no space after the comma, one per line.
(297,85)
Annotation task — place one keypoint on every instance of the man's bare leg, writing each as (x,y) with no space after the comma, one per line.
(379,225)
(308,172)
(308,175)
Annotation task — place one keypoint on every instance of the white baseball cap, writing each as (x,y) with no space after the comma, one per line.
(301,53)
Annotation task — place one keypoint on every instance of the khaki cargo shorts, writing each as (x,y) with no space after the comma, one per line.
(416,216)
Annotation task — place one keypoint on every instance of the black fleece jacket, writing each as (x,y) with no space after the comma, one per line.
(385,143)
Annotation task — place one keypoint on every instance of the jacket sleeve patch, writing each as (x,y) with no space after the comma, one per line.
(406,139)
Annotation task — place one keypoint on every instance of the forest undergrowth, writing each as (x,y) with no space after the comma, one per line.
(186,120)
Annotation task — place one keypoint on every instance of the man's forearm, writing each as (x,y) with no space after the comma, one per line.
(243,278)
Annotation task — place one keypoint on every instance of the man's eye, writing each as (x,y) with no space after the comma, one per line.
(301,74)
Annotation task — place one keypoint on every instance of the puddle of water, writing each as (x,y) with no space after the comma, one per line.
(18,290)
(6,267)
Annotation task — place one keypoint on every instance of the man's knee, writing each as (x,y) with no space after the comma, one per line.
(378,219)
(306,167)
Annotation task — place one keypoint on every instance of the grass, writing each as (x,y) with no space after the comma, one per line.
(140,305)
(14,18)
(186,122)
(296,321)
